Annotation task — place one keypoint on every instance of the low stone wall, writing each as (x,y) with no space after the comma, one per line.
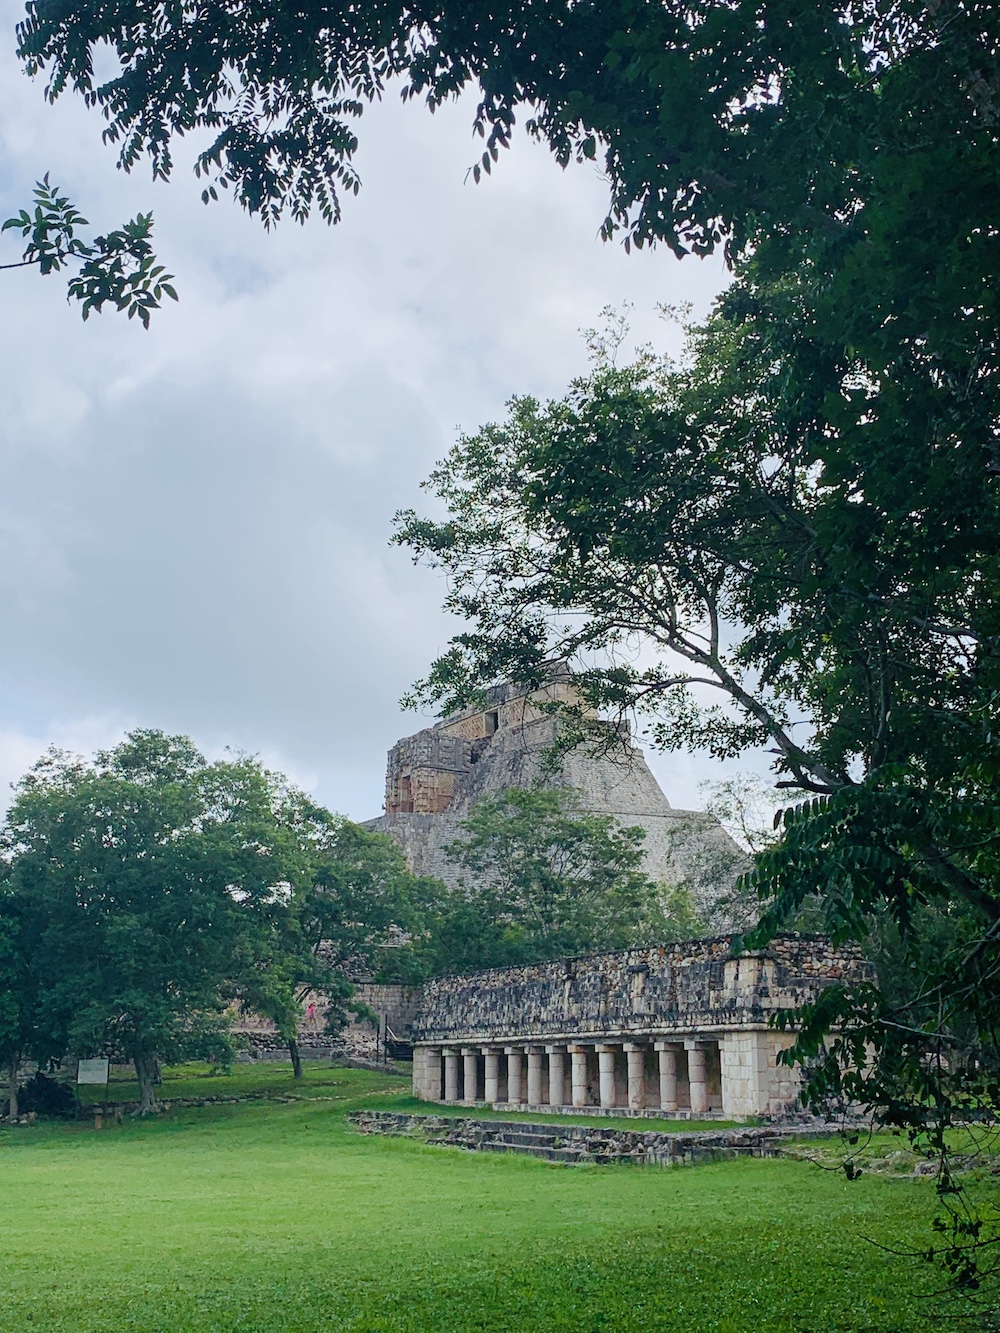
(396,1005)
(263,1045)
(685,987)
(582,1144)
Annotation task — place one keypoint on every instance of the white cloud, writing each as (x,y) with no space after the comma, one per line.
(19,749)
(194,521)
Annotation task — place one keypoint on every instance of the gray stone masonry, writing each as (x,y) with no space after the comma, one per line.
(580,1144)
(396,1007)
(435,778)
(681,1029)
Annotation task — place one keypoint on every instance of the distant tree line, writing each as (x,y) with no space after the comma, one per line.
(146,892)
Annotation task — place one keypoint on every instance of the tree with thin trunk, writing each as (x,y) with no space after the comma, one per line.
(540,877)
(349,897)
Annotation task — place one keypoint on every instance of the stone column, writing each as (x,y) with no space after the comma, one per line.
(696,1077)
(668,1076)
(450,1074)
(419,1071)
(606,1064)
(470,1074)
(746,1077)
(636,1057)
(578,1056)
(431,1075)
(514,1080)
(491,1092)
(557,1075)
(534,1076)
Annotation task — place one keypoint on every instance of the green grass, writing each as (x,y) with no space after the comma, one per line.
(274,1079)
(405,1102)
(267,1079)
(267,1217)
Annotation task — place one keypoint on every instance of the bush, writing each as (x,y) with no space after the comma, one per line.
(47,1096)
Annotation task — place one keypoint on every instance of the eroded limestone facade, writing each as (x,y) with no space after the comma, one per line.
(677,1029)
(436,777)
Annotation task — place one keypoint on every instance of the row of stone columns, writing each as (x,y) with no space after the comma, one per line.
(526,1070)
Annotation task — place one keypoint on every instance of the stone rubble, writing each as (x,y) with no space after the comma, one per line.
(582,1144)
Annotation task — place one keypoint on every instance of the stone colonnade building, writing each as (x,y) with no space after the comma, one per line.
(680,1029)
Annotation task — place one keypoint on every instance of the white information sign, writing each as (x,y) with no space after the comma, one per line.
(93,1071)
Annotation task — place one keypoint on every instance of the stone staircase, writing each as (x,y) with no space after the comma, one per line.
(574,1145)
(534,1141)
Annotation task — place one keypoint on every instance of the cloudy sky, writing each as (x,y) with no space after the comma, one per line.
(194,520)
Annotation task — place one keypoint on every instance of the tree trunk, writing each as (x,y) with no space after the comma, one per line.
(293,1051)
(145,1072)
(12,1069)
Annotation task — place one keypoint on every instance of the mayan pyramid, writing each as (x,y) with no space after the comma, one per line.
(436,776)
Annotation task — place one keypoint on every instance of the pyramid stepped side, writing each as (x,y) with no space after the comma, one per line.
(436,777)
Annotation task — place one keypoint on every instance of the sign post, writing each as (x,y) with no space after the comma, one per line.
(94,1071)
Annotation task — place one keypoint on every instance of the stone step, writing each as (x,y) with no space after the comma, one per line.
(542,1141)
(548,1152)
(575,1144)
(528,1138)
(550,1143)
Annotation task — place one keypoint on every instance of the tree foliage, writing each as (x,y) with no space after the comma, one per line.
(539,877)
(142,867)
(812,540)
(705,512)
(708,119)
(146,890)
(118,269)
(30,1029)
(346,912)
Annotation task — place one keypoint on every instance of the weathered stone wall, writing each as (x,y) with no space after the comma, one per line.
(508,706)
(572,1144)
(397,1004)
(422,772)
(435,778)
(671,988)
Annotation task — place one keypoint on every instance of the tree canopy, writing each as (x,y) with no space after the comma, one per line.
(708,512)
(707,118)
(812,540)
(146,890)
(539,877)
(145,867)
(346,914)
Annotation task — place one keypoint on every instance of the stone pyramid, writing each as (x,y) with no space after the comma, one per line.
(435,777)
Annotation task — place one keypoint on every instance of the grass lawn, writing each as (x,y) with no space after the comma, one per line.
(270,1078)
(269,1217)
(274,1079)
